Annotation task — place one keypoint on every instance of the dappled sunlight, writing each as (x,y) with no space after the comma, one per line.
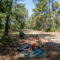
(54,53)
(29,30)
(9,46)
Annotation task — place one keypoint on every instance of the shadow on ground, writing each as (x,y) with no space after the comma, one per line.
(52,51)
(10,44)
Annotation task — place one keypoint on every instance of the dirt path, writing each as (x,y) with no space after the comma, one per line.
(51,36)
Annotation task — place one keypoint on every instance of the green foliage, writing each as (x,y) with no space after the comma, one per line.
(58,12)
(42,18)
(19,14)
(41,6)
(2,17)
(31,23)
(6,6)
(55,5)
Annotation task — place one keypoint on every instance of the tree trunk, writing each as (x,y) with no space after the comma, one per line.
(53,17)
(49,7)
(7,21)
(6,25)
(54,24)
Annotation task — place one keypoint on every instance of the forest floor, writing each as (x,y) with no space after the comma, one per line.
(9,45)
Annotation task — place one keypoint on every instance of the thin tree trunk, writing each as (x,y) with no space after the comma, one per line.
(7,21)
(49,7)
(53,17)
(49,16)
(6,25)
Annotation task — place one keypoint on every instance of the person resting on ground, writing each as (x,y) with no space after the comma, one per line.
(25,47)
(32,42)
(38,40)
(22,35)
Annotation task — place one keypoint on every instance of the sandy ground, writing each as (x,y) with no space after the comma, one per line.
(50,36)
(53,51)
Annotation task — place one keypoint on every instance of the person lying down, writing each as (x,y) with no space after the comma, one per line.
(29,45)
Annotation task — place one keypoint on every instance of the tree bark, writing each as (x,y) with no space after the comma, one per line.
(6,25)
(53,17)
(7,21)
